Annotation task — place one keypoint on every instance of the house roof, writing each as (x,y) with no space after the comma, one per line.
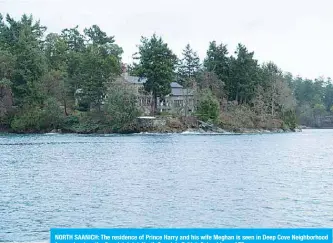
(175,85)
(181,92)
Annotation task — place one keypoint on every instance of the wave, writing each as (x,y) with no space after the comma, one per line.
(207,133)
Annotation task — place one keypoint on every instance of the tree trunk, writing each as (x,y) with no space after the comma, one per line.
(65,107)
(154,103)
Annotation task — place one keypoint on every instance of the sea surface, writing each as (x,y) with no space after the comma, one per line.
(169,180)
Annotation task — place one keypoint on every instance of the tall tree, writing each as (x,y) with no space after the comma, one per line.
(244,75)
(328,97)
(24,40)
(96,36)
(74,39)
(156,63)
(96,71)
(7,64)
(218,62)
(56,50)
(189,66)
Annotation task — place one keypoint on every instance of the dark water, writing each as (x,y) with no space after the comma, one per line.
(273,180)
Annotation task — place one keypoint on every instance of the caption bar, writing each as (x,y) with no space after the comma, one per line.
(190,235)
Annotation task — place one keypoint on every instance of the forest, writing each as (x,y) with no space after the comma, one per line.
(41,72)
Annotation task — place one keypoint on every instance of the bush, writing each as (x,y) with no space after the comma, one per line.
(52,116)
(33,118)
(27,120)
(208,107)
(290,120)
(240,116)
(121,108)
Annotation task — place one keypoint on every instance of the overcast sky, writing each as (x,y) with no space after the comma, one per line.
(296,34)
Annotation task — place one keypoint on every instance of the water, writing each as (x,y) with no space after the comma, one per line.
(272,180)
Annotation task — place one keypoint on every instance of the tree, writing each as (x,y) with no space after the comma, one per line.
(56,50)
(54,85)
(189,66)
(328,96)
(208,107)
(74,39)
(121,107)
(244,75)
(96,36)
(318,111)
(96,71)
(23,39)
(6,98)
(259,102)
(210,81)
(157,64)
(218,62)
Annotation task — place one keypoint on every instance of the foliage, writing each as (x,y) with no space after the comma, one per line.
(208,106)
(33,118)
(121,107)
(189,67)
(6,98)
(210,81)
(218,61)
(157,64)
(46,80)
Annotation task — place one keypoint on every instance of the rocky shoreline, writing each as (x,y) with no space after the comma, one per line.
(154,125)
(167,125)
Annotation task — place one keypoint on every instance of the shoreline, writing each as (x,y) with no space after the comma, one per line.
(190,131)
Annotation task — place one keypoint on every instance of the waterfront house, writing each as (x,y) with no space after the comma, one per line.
(180,101)
(145,99)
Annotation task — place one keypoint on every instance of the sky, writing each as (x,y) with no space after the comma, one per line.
(295,34)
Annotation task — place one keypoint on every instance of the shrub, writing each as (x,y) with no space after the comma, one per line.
(208,107)
(33,118)
(121,107)
(27,120)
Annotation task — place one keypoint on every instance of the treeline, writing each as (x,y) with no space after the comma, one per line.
(43,74)
(42,78)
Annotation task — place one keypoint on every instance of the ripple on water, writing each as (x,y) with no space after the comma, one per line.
(172,180)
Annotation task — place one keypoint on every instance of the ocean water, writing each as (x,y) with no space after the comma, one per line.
(164,180)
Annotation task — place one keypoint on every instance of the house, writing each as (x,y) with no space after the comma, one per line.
(181,100)
(145,99)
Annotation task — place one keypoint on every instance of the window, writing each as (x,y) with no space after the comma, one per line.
(178,103)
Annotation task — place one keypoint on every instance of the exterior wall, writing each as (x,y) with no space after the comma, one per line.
(178,104)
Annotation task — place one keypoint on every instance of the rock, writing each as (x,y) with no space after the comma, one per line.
(201,130)
(218,130)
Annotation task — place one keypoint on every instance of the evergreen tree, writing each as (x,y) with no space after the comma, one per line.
(244,75)
(189,66)
(23,39)
(218,62)
(156,63)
